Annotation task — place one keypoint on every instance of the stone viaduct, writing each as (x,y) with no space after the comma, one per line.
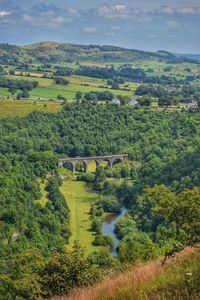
(111,159)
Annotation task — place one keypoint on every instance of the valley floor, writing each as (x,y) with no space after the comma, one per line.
(79,200)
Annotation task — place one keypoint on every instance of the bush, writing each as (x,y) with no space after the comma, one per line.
(101,258)
(66,271)
(96,225)
(87,177)
(59,97)
(104,240)
(61,81)
(136,246)
(110,204)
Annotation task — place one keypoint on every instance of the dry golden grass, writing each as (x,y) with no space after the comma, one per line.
(129,281)
(21,108)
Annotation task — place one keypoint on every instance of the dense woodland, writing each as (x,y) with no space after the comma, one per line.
(162,195)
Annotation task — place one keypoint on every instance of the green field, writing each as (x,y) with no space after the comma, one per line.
(13,108)
(79,200)
(48,90)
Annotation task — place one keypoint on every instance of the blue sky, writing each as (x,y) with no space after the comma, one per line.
(148,25)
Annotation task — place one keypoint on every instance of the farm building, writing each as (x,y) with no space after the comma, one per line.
(115,101)
(192,104)
(133,102)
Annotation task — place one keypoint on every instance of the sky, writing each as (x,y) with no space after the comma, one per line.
(172,25)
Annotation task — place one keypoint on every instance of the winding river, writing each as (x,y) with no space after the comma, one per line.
(108,227)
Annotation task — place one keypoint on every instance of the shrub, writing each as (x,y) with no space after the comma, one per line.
(110,204)
(101,258)
(104,240)
(66,271)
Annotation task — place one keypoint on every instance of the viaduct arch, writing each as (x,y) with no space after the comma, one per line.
(111,159)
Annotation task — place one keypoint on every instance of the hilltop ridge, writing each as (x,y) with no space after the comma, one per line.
(53,52)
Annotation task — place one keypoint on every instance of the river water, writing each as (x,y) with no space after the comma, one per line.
(108,227)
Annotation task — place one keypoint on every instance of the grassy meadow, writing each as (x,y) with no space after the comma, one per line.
(79,200)
(21,108)
(49,90)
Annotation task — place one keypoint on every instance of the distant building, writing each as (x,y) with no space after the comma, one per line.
(192,105)
(133,102)
(115,101)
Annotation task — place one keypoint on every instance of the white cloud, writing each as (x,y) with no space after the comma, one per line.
(188,10)
(4,14)
(110,34)
(193,10)
(73,11)
(90,29)
(45,19)
(122,12)
(173,24)
(115,27)
(152,36)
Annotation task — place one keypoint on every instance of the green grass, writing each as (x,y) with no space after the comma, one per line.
(47,89)
(4,92)
(79,200)
(11,108)
(44,197)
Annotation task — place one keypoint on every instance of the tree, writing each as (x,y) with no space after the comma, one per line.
(136,246)
(1,69)
(59,97)
(66,271)
(182,208)
(114,86)
(145,101)
(110,204)
(61,81)
(96,225)
(101,258)
(22,279)
(19,96)
(11,72)
(133,173)
(79,95)
(164,101)
(125,171)
(12,90)
(104,240)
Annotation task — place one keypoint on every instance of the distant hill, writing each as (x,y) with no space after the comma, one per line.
(194,57)
(60,53)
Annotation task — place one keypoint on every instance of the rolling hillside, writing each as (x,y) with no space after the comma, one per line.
(61,53)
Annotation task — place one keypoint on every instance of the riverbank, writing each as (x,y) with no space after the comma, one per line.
(108,227)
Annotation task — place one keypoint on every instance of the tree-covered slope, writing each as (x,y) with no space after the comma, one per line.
(165,144)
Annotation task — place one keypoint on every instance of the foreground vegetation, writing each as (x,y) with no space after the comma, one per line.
(178,279)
